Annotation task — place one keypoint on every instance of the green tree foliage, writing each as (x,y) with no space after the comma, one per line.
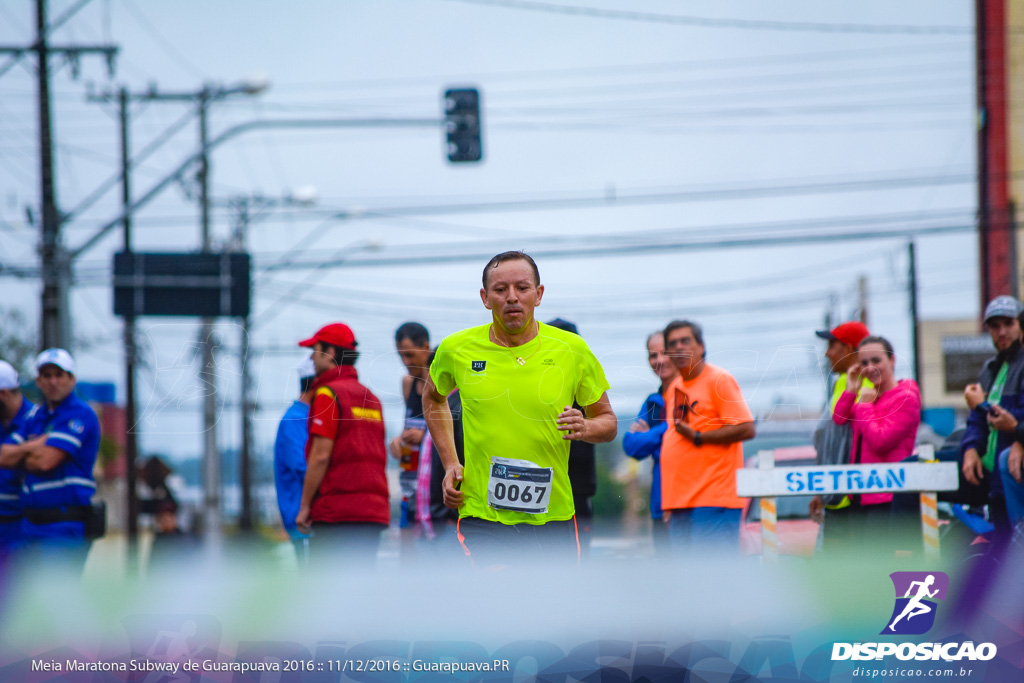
(17,341)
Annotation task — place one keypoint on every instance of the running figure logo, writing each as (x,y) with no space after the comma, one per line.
(914,612)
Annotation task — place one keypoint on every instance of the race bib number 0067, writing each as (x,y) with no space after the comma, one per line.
(519,485)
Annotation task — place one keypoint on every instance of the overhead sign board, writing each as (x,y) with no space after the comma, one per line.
(200,285)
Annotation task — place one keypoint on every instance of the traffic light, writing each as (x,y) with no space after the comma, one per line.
(462,124)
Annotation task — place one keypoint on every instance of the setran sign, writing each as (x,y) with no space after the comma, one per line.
(189,284)
(873,478)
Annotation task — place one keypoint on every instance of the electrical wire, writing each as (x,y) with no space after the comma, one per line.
(708,22)
(169,49)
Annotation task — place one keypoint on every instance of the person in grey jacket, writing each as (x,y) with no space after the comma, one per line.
(832,441)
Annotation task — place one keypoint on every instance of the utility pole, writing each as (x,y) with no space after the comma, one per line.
(202,99)
(55,327)
(130,349)
(131,446)
(862,299)
(912,287)
(247,209)
(211,454)
(248,406)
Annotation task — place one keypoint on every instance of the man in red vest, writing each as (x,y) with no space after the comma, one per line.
(345,493)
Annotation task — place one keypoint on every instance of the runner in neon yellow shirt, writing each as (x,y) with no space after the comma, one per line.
(518,379)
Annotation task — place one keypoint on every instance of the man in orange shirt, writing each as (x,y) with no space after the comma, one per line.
(702,449)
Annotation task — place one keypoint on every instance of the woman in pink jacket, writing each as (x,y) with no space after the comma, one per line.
(885,421)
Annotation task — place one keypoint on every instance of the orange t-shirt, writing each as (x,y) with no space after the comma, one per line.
(703,476)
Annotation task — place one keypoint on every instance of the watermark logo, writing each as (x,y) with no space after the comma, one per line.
(916,606)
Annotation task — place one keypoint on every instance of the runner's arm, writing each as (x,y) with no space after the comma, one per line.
(438,416)
(744,431)
(601,424)
(43,458)
(17,454)
(320,448)
(11,454)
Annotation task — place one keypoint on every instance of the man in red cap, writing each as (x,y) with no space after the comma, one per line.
(345,493)
(832,441)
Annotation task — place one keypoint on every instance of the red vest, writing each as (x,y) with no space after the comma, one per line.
(355,488)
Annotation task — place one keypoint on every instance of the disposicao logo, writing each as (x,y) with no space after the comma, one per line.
(913,615)
(914,612)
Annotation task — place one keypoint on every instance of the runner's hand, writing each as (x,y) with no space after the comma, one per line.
(412,436)
(1016,462)
(972,467)
(867,395)
(302,520)
(853,377)
(640,426)
(974,395)
(683,428)
(816,508)
(1001,419)
(452,481)
(573,422)
(395,448)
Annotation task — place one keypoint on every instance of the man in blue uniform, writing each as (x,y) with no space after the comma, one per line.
(290,459)
(60,440)
(14,411)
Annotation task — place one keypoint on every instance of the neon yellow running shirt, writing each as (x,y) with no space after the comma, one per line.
(509,413)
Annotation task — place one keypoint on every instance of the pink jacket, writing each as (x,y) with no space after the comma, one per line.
(885,429)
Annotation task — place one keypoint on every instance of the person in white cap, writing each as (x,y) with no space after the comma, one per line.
(14,411)
(290,458)
(58,448)
(997,408)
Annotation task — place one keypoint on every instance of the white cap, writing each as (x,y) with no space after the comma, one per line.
(59,357)
(8,376)
(306,369)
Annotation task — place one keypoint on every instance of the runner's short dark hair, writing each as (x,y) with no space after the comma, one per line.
(341,356)
(698,333)
(306,383)
(414,332)
(511,256)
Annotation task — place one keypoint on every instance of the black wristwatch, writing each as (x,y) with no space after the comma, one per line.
(697,441)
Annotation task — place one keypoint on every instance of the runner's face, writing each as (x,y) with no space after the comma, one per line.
(322,361)
(414,358)
(659,362)
(683,349)
(1004,331)
(6,398)
(511,295)
(876,364)
(54,383)
(840,355)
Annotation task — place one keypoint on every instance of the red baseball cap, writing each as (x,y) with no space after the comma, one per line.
(851,333)
(335,334)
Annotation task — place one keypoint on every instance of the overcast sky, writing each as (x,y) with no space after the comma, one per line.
(672,123)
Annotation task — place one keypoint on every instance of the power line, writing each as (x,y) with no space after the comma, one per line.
(707,22)
(613,70)
(168,48)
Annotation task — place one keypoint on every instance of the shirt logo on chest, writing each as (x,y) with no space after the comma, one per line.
(478,365)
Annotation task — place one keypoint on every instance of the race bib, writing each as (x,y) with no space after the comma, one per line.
(519,485)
